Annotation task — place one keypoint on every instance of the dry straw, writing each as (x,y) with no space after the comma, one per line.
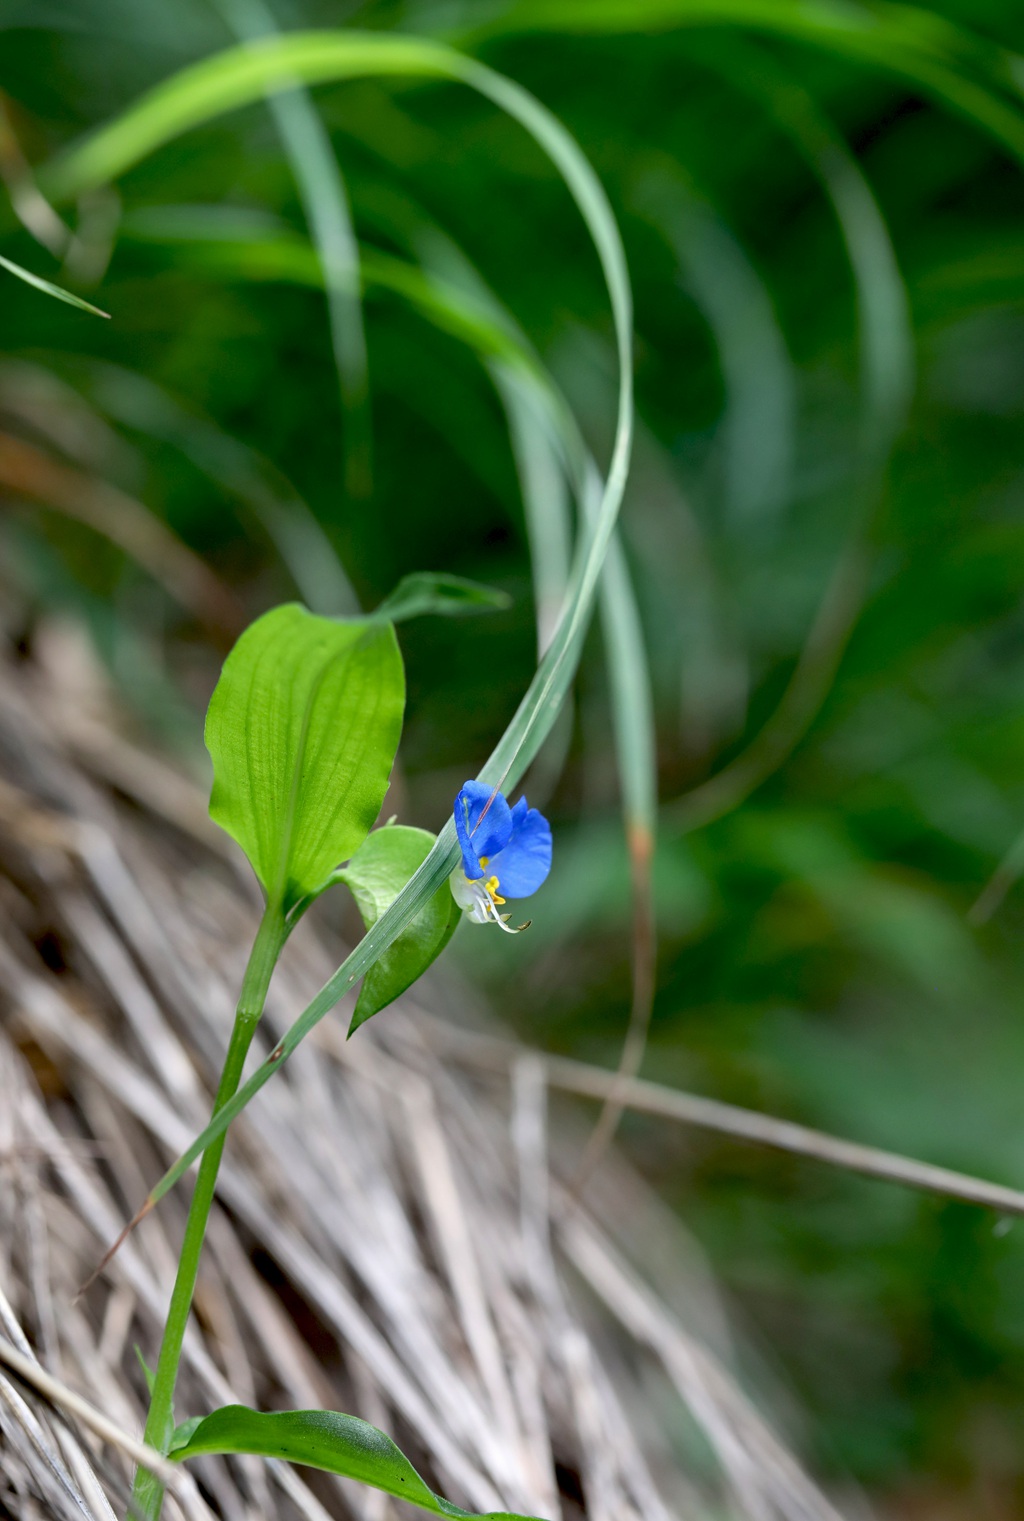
(392,1237)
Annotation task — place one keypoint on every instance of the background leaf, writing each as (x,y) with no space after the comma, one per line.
(302,728)
(376,875)
(325,1439)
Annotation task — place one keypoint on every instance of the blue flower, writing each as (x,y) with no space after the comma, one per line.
(506,853)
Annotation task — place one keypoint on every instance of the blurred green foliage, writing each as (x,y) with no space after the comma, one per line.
(817,959)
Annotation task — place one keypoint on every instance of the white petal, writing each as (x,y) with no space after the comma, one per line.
(462,888)
(471,896)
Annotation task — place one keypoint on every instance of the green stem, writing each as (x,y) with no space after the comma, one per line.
(148,1491)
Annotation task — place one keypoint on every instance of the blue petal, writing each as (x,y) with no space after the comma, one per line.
(483,822)
(526,860)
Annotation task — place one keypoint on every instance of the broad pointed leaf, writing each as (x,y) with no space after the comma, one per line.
(376,875)
(302,728)
(325,1439)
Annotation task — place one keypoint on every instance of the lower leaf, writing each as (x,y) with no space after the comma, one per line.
(325,1439)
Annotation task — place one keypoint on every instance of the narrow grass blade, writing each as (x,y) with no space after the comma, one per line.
(549,452)
(49,289)
(546,446)
(240,76)
(35,475)
(291,260)
(755,438)
(1001,882)
(887,382)
(326,205)
(947,62)
(883,308)
(635,747)
(546,495)
(542,468)
(552,459)
(136,402)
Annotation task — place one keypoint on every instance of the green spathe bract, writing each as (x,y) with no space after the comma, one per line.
(302,729)
(325,1439)
(376,875)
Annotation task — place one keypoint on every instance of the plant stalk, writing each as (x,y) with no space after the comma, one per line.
(148,1489)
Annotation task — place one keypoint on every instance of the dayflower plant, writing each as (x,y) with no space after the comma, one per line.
(302,731)
(506,853)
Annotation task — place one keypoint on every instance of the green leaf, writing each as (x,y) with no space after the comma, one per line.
(376,875)
(325,1439)
(303,727)
(428,591)
(49,289)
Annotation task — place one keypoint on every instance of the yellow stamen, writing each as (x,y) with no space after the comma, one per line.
(491,888)
(485,860)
